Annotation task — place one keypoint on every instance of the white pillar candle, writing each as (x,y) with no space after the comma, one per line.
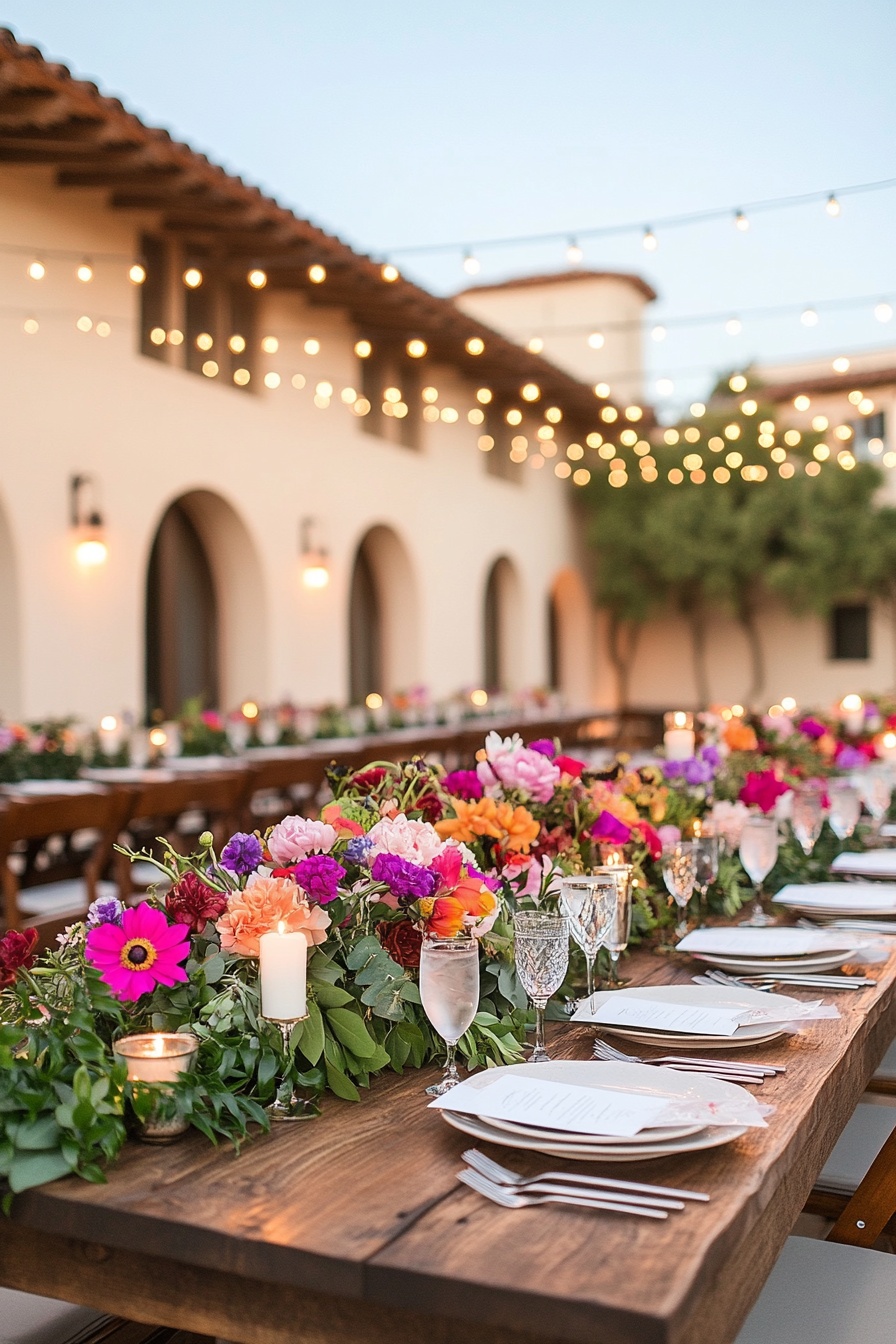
(282,967)
(679,743)
(110,735)
(852,710)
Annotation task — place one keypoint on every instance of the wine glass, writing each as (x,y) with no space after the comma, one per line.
(541,951)
(616,938)
(449,992)
(758,853)
(807,816)
(845,807)
(679,864)
(588,904)
(706,851)
(875,791)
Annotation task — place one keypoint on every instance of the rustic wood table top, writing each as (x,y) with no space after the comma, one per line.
(355,1227)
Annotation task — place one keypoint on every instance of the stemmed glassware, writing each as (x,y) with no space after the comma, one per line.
(541,950)
(679,864)
(706,851)
(876,792)
(619,931)
(449,992)
(807,816)
(758,853)
(845,807)
(588,902)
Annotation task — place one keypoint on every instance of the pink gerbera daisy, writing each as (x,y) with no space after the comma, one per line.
(143,952)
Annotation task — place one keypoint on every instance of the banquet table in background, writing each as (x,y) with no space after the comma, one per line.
(354,1227)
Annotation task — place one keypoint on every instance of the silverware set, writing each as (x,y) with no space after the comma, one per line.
(730,1071)
(769,978)
(512,1191)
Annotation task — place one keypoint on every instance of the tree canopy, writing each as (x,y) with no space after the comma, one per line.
(737,522)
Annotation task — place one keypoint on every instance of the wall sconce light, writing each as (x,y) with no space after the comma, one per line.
(87,523)
(315,569)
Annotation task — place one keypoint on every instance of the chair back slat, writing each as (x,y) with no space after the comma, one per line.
(874,1203)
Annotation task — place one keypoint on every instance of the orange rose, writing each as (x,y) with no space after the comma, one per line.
(740,736)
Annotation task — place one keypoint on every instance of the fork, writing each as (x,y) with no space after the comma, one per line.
(724,1069)
(493,1171)
(810,981)
(499,1194)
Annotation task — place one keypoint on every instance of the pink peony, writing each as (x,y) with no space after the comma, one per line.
(416,841)
(295,838)
(511,765)
(668,835)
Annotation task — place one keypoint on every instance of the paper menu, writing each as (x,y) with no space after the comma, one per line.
(689,1018)
(560,1106)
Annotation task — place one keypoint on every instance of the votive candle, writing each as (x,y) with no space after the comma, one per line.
(283,968)
(158,1056)
(679,739)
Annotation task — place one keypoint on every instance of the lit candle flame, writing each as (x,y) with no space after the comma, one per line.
(281,927)
(158,1046)
(680,719)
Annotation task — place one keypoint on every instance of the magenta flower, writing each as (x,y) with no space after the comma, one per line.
(144,951)
(762,789)
(463,784)
(610,829)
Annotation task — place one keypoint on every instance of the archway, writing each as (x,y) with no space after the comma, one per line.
(570,636)
(205,613)
(383,617)
(10,648)
(502,614)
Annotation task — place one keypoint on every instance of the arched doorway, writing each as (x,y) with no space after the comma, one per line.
(205,613)
(10,649)
(570,634)
(382,617)
(501,627)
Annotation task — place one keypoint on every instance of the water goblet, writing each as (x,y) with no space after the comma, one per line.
(617,935)
(706,852)
(845,807)
(807,816)
(876,792)
(679,864)
(588,903)
(758,853)
(541,951)
(449,992)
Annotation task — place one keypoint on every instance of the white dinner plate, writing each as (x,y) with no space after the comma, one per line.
(870,863)
(49,788)
(719,996)
(741,1041)
(828,961)
(869,899)
(623,1152)
(561,1138)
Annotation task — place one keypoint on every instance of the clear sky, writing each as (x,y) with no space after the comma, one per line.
(397,123)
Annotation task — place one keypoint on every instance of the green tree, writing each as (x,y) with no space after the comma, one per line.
(728,531)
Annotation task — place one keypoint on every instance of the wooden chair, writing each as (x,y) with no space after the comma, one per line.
(53,854)
(28,1319)
(883,1084)
(180,810)
(283,785)
(839,1290)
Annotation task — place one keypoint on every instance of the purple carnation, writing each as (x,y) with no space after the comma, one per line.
(319,876)
(464,784)
(812,728)
(710,754)
(673,769)
(407,881)
(242,854)
(611,829)
(545,746)
(358,848)
(697,771)
(107,910)
(850,758)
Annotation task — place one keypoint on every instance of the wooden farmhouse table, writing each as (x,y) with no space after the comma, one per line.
(354,1228)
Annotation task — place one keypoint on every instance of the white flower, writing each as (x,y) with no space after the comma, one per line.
(416,841)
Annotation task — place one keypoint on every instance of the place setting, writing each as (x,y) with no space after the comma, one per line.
(806,957)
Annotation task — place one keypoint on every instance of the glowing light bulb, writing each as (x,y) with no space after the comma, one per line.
(389,272)
(192,277)
(535,345)
(37,270)
(85,272)
(809,317)
(475,345)
(734,326)
(479,698)
(832,206)
(257,278)
(883,311)
(597,340)
(137,274)
(317,274)
(471,264)
(649,241)
(658,333)
(416,349)
(741,223)
(363,349)
(574,254)
(737,382)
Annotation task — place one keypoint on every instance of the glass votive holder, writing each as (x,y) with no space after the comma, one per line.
(158,1058)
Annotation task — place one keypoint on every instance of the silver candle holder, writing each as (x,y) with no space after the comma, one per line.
(288,1103)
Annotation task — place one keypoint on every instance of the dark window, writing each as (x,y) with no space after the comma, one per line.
(870,435)
(181,618)
(365,632)
(850,632)
(553,644)
(386,369)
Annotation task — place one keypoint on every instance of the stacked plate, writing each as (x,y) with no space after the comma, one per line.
(657,1142)
(684,998)
(841,900)
(756,951)
(879,863)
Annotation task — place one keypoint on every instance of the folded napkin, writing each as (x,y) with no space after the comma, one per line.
(874,862)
